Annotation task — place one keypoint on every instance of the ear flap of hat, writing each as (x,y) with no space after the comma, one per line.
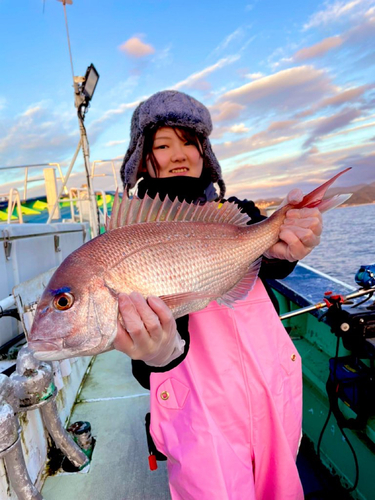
(132,163)
(211,162)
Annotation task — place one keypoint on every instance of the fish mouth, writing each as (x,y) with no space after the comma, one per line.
(46,351)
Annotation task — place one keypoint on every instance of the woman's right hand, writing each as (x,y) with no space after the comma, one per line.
(146,330)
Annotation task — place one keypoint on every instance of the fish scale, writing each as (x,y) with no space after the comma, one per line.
(188,255)
(210,261)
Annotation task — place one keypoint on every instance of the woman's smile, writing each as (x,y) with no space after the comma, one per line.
(181,170)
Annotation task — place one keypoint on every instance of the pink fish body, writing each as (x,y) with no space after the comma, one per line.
(186,254)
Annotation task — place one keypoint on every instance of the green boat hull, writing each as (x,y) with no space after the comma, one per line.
(316,344)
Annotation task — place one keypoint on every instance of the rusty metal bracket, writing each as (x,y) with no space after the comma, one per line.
(57,243)
(7,244)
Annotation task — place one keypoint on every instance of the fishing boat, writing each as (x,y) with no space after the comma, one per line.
(75,429)
(105,452)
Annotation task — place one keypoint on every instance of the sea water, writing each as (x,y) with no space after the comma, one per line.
(347,242)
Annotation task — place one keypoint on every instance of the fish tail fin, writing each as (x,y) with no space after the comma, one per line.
(315,198)
(335,201)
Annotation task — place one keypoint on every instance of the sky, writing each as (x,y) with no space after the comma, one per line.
(290,85)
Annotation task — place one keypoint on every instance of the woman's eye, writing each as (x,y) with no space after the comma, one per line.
(162,146)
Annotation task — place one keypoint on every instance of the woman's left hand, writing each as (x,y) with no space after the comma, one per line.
(299,233)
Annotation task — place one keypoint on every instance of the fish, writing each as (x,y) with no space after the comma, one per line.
(186,254)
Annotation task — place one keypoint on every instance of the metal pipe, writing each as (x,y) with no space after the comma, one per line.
(61,178)
(12,203)
(11,452)
(320,305)
(18,475)
(33,386)
(65,180)
(25,184)
(25,166)
(61,437)
(112,162)
(7,303)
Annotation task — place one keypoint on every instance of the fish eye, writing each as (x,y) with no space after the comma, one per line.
(63,301)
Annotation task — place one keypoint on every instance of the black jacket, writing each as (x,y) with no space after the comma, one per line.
(270,269)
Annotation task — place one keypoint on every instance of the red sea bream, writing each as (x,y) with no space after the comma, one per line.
(186,254)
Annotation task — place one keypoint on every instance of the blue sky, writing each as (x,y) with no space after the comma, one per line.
(290,85)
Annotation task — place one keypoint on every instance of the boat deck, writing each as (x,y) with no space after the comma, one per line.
(115,405)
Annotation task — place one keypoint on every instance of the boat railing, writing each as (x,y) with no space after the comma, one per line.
(80,197)
(95,164)
(13,201)
(26,180)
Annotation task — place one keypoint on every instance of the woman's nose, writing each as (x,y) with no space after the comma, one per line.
(178,154)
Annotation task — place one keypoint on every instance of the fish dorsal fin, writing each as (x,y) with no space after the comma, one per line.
(136,211)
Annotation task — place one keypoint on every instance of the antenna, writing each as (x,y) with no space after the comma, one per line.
(70,2)
(84,87)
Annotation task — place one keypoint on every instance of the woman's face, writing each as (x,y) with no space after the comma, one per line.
(175,155)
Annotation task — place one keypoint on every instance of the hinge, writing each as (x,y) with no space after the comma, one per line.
(7,244)
(57,243)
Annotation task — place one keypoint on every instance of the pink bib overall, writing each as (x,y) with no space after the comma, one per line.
(229,416)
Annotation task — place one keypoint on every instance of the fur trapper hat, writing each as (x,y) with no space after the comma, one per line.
(169,108)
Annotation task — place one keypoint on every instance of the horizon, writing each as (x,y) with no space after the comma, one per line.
(291,95)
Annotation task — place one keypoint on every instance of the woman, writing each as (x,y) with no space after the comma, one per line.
(225,383)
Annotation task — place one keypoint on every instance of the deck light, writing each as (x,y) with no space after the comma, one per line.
(84,88)
(89,84)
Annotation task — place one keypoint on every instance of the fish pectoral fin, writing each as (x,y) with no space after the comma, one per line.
(180,299)
(243,287)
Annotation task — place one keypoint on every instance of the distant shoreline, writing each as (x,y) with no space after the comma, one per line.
(356,204)
(263,210)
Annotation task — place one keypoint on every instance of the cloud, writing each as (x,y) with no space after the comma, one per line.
(353,129)
(351,95)
(254,76)
(240,128)
(363,32)
(192,80)
(336,11)
(275,178)
(163,57)
(282,125)
(238,33)
(134,47)
(276,133)
(319,49)
(281,92)
(226,111)
(41,134)
(110,116)
(110,144)
(332,123)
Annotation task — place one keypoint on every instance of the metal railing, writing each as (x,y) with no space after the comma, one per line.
(27,179)
(13,200)
(112,162)
(77,197)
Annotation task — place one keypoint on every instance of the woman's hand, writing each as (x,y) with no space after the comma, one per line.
(146,330)
(299,233)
